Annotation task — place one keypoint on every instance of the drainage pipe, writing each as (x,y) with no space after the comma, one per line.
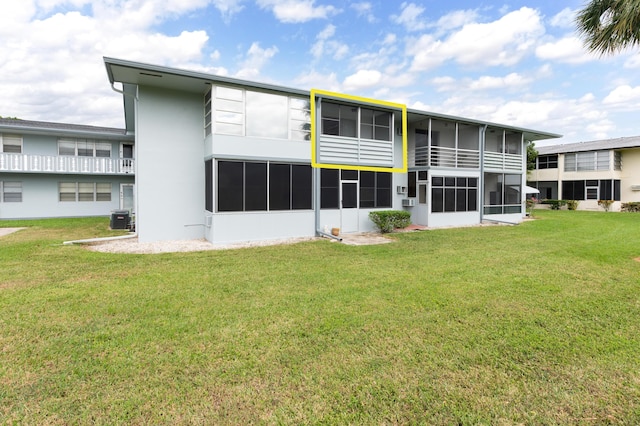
(324,234)
(102,239)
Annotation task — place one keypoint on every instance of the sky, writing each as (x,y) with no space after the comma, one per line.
(519,63)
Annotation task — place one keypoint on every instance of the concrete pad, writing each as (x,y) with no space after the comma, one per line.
(364,239)
(7,231)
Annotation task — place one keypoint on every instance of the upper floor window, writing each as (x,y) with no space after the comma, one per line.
(241,112)
(84,148)
(502,141)
(548,161)
(617,160)
(586,161)
(355,122)
(10,144)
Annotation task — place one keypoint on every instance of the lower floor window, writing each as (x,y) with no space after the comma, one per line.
(373,188)
(11,192)
(263,186)
(84,191)
(604,189)
(454,194)
(502,193)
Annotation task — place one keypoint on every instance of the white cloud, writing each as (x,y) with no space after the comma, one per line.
(325,46)
(256,58)
(509,81)
(564,19)
(364,9)
(456,19)
(569,50)
(297,11)
(362,79)
(410,17)
(623,96)
(318,80)
(633,61)
(499,43)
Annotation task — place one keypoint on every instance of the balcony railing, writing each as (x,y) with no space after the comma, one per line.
(64,164)
(499,161)
(445,157)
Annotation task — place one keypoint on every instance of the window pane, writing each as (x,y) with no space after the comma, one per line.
(301,187)
(603,160)
(349,175)
(382,133)
(228,93)
(12,192)
(330,110)
(438,181)
(255,190)
(472,182)
(103,191)
(348,120)
(367,189)
(85,149)
(11,144)
(330,127)
(472,200)
(422,193)
(449,200)
(329,189)
(412,187)
(570,163)
(67,191)
(449,181)
(586,161)
(208,185)
(423,175)
(230,186)
(349,195)
(279,186)
(592,193)
(103,150)
(461,200)
(267,115)
(66,148)
(85,191)
(437,200)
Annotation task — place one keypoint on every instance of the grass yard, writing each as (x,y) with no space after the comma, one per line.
(531,324)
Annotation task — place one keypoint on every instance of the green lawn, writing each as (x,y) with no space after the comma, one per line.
(531,324)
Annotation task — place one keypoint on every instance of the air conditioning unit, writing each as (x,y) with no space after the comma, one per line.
(401,189)
(408,202)
(635,187)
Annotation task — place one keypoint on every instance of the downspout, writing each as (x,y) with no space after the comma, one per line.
(482,144)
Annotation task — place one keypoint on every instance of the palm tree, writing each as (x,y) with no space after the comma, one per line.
(608,26)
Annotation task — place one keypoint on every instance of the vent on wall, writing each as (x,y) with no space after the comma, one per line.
(408,202)
(635,187)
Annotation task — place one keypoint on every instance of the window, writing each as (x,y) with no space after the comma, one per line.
(454,194)
(605,189)
(208,185)
(234,111)
(342,120)
(617,160)
(11,192)
(10,144)
(329,189)
(547,162)
(375,189)
(503,193)
(84,148)
(84,191)
(573,190)
(586,161)
(412,183)
(242,186)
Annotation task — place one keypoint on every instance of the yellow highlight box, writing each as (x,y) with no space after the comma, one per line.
(362,101)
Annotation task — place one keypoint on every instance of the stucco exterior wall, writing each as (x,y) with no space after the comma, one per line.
(170,165)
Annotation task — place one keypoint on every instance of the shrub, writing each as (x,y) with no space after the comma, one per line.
(388,220)
(555,204)
(633,206)
(605,204)
(572,204)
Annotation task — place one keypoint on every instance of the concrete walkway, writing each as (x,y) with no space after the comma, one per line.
(7,231)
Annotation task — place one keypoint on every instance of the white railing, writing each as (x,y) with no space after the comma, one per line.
(64,164)
(499,161)
(445,157)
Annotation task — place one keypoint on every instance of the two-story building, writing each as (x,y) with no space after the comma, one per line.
(234,160)
(64,170)
(590,171)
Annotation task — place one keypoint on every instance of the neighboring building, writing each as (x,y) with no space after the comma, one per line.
(63,170)
(589,171)
(231,160)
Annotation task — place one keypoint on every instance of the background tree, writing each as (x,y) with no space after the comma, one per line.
(532,154)
(608,26)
